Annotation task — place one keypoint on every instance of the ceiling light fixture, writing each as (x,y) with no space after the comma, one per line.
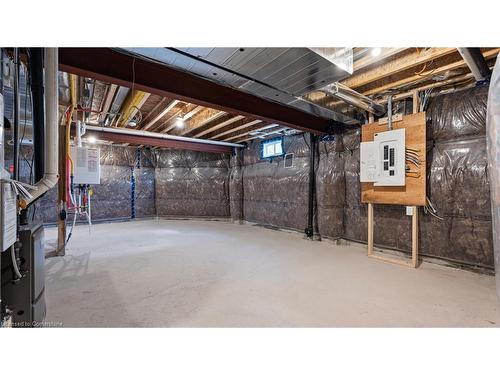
(91,139)
(179,122)
(376,51)
(136,119)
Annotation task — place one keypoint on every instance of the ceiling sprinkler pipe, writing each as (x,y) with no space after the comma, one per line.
(354,98)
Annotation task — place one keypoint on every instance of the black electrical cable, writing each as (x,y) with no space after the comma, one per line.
(27,94)
(16,114)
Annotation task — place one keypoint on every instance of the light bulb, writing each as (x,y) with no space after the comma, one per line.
(179,122)
(376,51)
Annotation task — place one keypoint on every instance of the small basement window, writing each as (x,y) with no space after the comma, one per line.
(272,147)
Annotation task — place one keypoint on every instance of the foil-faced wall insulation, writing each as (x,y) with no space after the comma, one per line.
(112,198)
(236,186)
(457,180)
(493,138)
(330,188)
(167,183)
(192,184)
(243,186)
(272,194)
(457,186)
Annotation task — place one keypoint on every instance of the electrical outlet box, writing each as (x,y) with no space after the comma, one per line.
(86,166)
(382,161)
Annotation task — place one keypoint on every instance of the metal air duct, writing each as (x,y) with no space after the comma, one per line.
(476,63)
(354,98)
(50,175)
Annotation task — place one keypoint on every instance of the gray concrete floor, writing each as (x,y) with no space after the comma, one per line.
(172,273)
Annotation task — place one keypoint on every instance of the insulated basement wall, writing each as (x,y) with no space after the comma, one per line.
(330,188)
(120,166)
(457,185)
(236,185)
(112,199)
(458,181)
(192,184)
(164,183)
(274,195)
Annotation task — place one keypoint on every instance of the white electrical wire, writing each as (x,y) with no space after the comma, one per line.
(430,209)
(14,262)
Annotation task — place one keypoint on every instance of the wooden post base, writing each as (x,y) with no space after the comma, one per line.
(414,244)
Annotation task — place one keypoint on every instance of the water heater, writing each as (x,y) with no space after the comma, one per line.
(86,166)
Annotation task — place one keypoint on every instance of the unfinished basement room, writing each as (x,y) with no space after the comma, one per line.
(250,187)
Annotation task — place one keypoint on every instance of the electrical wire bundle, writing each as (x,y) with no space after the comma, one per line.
(412,157)
(424,99)
(430,209)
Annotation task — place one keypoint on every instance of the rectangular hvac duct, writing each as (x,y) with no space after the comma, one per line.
(279,74)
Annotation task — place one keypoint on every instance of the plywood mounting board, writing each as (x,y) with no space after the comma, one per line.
(413,193)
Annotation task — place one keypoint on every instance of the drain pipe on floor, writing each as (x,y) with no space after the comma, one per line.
(50,174)
(312,186)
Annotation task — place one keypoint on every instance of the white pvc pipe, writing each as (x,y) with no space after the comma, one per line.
(145,133)
(50,176)
(79,133)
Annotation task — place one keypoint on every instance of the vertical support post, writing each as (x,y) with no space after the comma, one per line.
(416,107)
(312,186)
(389,113)
(414,217)
(414,237)
(61,191)
(370,229)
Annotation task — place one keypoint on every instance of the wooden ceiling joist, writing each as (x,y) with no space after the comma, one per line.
(203,117)
(132,104)
(159,112)
(180,111)
(221,125)
(246,139)
(108,99)
(246,124)
(427,75)
(202,128)
(413,59)
(369,60)
(155,110)
(241,134)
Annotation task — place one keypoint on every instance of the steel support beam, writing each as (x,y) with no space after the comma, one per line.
(140,139)
(111,66)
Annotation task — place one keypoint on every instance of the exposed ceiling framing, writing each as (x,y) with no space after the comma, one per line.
(214,112)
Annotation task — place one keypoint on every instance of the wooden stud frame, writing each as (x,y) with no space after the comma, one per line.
(414,225)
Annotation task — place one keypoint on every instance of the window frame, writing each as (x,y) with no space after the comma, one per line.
(268,141)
